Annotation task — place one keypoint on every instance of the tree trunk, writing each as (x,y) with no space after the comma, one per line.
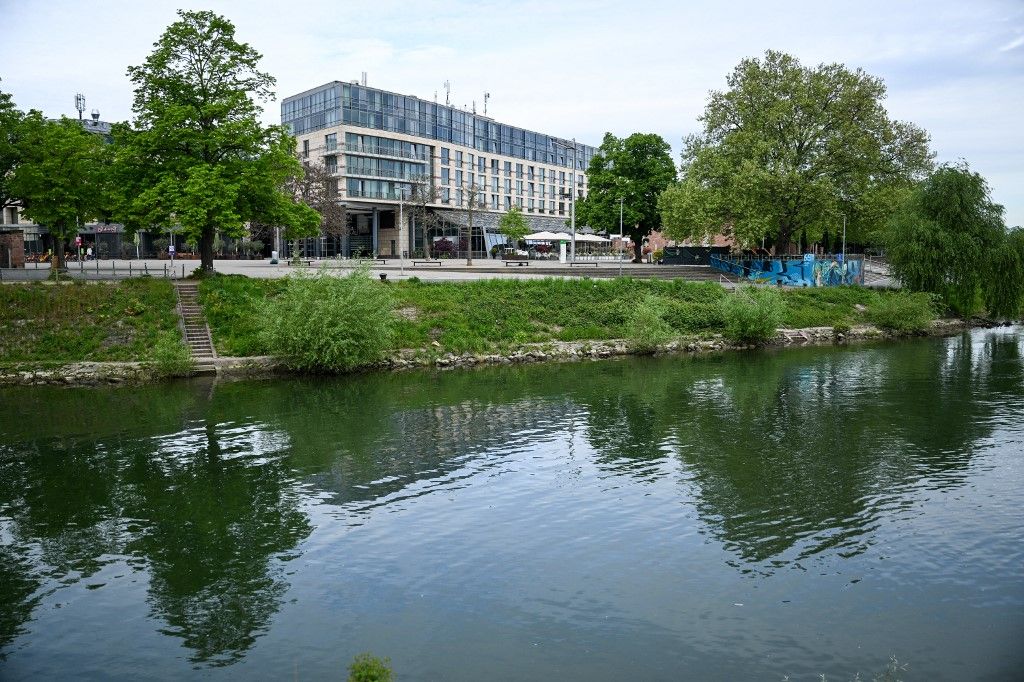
(206,249)
(469,242)
(57,263)
(638,253)
(782,240)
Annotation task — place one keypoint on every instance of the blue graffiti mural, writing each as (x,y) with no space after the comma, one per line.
(806,271)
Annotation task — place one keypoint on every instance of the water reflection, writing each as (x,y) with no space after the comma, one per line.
(208,490)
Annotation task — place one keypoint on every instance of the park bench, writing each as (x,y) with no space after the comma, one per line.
(516,262)
(427,262)
(307,261)
(580,264)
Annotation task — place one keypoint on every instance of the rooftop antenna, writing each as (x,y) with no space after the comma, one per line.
(447,93)
(474,106)
(80,104)
(487,96)
(435,96)
(364,79)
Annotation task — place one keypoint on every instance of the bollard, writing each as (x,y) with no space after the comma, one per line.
(183,271)
(129,268)
(165,269)
(145,267)
(113,268)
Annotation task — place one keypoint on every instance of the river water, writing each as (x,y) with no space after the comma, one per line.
(747,516)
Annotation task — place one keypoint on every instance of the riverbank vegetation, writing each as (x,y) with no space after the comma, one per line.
(76,321)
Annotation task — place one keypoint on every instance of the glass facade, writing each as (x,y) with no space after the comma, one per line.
(359,105)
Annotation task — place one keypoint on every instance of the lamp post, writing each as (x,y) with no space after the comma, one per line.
(572,200)
(401,229)
(844,238)
(621,199)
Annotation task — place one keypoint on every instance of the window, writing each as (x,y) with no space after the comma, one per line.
(543,175)
(331,142)
(508,187)
(458,161)
(446,195)
(519,202)
(519,186)
(542,188)
(458,197)
(331,164)
(305,149)
(530,190)
(508,169)
(481,164)
(446,176)
(561,177)
(494,202)
(472,178)
(561,208)
(508,203)
(494,184)
(519,170)
(444,156)
(472,162)
(494,166)
(530,206)
(332,188)
(530,172)
(551,207)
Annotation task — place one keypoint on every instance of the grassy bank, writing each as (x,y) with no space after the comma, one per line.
(493,315)
(103,321)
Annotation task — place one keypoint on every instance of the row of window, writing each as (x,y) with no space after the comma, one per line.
(367,107)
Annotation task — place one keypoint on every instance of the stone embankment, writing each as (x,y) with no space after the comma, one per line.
(113,373)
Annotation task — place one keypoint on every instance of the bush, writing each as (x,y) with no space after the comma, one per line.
(902,312)
(369,668)
(752,314)
(171,357)
(646,328)
(322,322)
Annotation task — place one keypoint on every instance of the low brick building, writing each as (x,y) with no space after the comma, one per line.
(12,248)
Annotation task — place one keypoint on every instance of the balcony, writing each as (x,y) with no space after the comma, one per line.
(372,150)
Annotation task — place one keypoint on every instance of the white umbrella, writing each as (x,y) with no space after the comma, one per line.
(546,236)
(580,237)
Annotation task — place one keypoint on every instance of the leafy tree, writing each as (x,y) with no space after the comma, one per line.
(424,194)
(949,238)
(513,225)
(59,176)
(637,170)
(474,203)
(10,121)
(317,188)
(787,150)
(198,158)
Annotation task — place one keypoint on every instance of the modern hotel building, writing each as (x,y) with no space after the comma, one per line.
(381,147)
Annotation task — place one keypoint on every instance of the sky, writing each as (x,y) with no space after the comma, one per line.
(567,68)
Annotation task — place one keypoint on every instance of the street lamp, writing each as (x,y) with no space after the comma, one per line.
(572,201)
(402,237)
(621,199)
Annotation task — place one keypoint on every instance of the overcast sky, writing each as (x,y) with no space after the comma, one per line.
(564,67)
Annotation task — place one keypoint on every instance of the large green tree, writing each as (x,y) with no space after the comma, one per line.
(197,159)
(949,238)
(10,121)
(59,177)
(787,150)
(514,226)
(636,169)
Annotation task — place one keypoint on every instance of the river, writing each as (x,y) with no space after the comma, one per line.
(743,516)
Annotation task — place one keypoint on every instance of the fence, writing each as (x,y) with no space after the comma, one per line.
(802,271)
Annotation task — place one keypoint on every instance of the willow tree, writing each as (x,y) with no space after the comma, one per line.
(787,150)
(949,238)
(197,159)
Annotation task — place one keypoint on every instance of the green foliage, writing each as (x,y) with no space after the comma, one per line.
(323,322)
(946,240)
(198,156)
(368,668)
(636,169)
(752,314)
(646,328)
(59,175)
(513,225)
(903,312)
(826,306)
(171,357)
(786,150)
(1004,285)
(10,124)
(98,321)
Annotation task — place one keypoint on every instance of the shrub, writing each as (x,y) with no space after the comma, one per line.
(752,314)
(171,357)
(646,328)
(902,312)
(322,322)
(369,668)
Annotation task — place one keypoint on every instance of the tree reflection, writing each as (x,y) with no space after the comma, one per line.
(206,520)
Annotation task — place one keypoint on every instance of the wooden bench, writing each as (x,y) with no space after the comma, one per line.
(589,264)
(308,262)
(427,262)
(516,262)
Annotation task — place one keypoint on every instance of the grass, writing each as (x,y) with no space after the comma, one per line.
(103,321)
(493,315)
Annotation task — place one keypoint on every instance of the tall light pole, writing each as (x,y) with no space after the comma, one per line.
(572,205)
(620,235)
(401,229)
(844,238)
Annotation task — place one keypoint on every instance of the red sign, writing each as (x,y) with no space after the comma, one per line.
(78,241)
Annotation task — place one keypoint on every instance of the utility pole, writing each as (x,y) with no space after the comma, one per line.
(572,206)
(620,235)
(401,229)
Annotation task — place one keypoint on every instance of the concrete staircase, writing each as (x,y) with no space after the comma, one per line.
(197,333)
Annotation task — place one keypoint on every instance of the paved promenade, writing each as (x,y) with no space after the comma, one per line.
(393,269)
